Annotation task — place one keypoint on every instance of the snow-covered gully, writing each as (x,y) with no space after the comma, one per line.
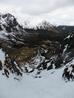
(50,85)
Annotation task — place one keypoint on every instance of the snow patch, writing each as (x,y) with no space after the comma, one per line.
(2,56)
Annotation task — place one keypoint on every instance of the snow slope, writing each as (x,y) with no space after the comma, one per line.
(51,85)
(2,56)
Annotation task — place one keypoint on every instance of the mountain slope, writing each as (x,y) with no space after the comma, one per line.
(15,35)
(50,85)
(10,30)
(27,50)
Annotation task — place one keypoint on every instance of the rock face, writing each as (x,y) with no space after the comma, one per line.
(68,73)
(11,33)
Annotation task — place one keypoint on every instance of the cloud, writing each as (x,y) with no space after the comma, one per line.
(61,16)
(36,7)
(54,11)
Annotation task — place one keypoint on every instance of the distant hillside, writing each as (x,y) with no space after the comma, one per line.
(65,29)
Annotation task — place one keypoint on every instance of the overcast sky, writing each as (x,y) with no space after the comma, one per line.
(54,11)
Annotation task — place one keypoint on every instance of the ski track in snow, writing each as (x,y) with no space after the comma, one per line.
(51,85)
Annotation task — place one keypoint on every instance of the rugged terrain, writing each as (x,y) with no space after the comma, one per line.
(30,49)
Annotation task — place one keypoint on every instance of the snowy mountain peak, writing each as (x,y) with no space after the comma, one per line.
(10,30)
(6,18)
(8,23)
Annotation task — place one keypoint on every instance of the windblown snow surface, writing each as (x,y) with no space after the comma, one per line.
(50,85)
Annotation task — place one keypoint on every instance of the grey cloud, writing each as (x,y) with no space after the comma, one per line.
(36,7)
(54,11)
